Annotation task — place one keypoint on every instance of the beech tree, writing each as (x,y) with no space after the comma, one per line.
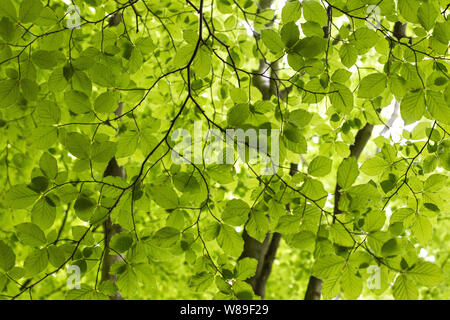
(113,120)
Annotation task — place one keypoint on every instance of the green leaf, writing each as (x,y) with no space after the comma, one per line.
(426,273)
(391,248)
(412,106)
(364,39)
(272,40)
(127,143)
(48,165)
(288,224)
(106,102)
(404,289)
(351,284)
(341,236)
(275,210)
(68,72)
(348,55)
(101,214)
(427,15)
(56,256)
(84,207)
(257,225)
(300,117)
(164,196)
(102,151)
(30,10)
(39,183)
(304,240)
(9,92)
(136,60)
(78,145)
(81,82)
(238,114)
(422,229)
(320,166)
(230,241)
(30,234)
(7,257)
(313,11)
(310,47)
(291,12)
(145,274)
(246,268)
(441,32)
(341,98)
(374,221)
(30,89)
(313,189)
(400,215)
(7,29)
(341,75)
(121,242)
(236,212)
(238,95)
(331,288)
(222,173)
(20,196)
(67,193)
(292,134)
(56,81)
(437,106)
(85,293)
(127,282)
(374,166)
(43,213)
(347,172)
(201,281)
(310,29)
(166,237)
(327,266)
(44,59)
(435,183)
(408,9)
(36,262)
(47,112)
(186,182)
(7,9)
(77,101)
(372,85)
(108,288)
(290,34)
(102,75)
(44,137)
(78,232)
(202,63)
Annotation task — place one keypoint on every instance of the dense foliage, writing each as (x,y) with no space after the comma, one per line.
(89,103)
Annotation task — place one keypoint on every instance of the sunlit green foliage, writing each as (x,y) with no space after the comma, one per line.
(336,66)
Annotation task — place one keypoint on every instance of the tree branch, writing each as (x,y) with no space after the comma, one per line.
(114,170)
(266,265)
(314,288)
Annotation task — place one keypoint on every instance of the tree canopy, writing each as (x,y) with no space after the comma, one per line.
(113,115)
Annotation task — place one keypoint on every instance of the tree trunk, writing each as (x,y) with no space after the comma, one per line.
(110,229)
(313,291)
(264,252)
